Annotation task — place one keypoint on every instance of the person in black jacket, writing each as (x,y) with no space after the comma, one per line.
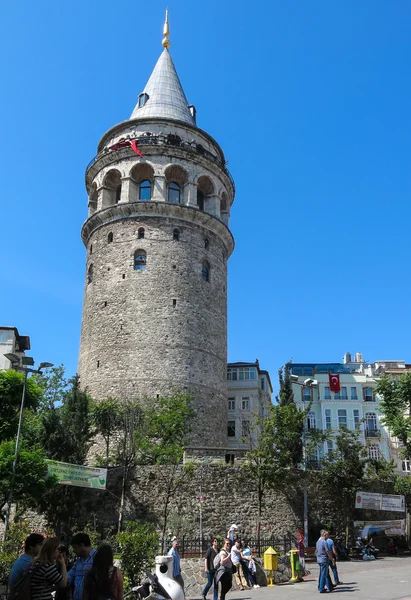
(210,569)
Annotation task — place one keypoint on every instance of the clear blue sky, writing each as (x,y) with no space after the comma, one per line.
(311,104)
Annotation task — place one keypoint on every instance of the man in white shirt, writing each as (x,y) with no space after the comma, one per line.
(236,560)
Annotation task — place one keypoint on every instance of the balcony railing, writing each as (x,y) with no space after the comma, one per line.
(159,140)
(372,433)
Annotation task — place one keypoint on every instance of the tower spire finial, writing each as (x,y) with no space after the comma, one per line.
(166,32)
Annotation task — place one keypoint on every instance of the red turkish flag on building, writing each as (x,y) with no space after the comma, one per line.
(334,382)
(135,148)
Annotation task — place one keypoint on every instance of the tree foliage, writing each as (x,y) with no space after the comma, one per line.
(138,546)
(11,390)
(107,417)
(395,407)
(285,395)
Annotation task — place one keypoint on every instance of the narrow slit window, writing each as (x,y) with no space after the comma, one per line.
(205,271)
(176,235)
(110,238)
(140,233)
(140,260)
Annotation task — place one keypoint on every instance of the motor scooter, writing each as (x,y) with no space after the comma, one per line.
(160,586)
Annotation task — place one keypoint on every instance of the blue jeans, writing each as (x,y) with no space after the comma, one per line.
(324,578)
(335,573)
(210,582)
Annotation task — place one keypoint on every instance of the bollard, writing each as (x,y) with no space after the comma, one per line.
(270,563)
(293,557)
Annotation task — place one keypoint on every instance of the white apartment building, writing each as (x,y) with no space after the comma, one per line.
(11,342)
(249,396)
(354,406)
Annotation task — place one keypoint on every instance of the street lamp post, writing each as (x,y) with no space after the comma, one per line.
(311,383)
(19,364)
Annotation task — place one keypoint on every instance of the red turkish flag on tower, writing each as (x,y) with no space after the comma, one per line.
(334,382)
(135,148)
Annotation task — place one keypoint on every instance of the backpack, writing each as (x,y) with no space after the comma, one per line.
(216,561)
(22,589)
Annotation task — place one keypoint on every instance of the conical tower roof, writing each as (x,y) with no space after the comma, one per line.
(166,98)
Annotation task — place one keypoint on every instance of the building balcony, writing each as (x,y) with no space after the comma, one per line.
(372,433)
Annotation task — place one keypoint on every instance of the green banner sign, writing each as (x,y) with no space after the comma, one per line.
(78,475)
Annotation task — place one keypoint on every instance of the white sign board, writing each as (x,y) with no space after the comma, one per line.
(368,500)
(379,501)
(394,503)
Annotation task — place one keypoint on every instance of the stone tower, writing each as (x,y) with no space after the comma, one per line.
(157,240)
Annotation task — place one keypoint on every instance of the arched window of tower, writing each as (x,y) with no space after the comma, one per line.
(176,178)
(223,203)
(205,271)
(174,193)
(140,233)
(142,175)
(205,189)
(112,183)
(90,274)
(110,238)
(140,260)
(145,190)
(176,235)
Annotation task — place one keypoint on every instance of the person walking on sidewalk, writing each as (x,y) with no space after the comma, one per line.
(324,557)
(236,560)
(224,574)
(210,569)
(331,547)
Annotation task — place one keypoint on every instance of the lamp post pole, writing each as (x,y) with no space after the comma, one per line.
(16,365)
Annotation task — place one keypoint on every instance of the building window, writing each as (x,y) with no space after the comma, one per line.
(342,418)
(176,235)
(354,393)
(262,383)
(241,374)
(90,274)
(231,429)
(245,403)
(140,233)
(173,193)
(140,260)
(306,394)
(337,396)
(206,243)
(231,404)
(91,248)
(145,190)
(344,393)
(205,271)
(370,422)
(374,452)
(356,414)
(245,428)
(330,446)
(110,238)
(406,466)
(369,395)
(328,418)
(142,99)
(327,395)
(311,420)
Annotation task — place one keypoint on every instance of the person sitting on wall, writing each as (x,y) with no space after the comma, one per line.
(392,548)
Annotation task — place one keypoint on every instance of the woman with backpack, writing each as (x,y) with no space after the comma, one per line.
(48,571)
(224,574)
(104,581)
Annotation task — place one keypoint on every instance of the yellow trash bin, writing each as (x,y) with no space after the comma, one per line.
(270,563)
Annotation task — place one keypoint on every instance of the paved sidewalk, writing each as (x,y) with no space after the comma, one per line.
(383,579)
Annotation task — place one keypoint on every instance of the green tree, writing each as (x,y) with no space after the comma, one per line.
(395,408)
(138,546)
(31,480)
(107,417)
(285,395)
(54,385)
(11,390)
(274,450)
(343,474)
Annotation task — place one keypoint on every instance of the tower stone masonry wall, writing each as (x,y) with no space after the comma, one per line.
(147,332)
